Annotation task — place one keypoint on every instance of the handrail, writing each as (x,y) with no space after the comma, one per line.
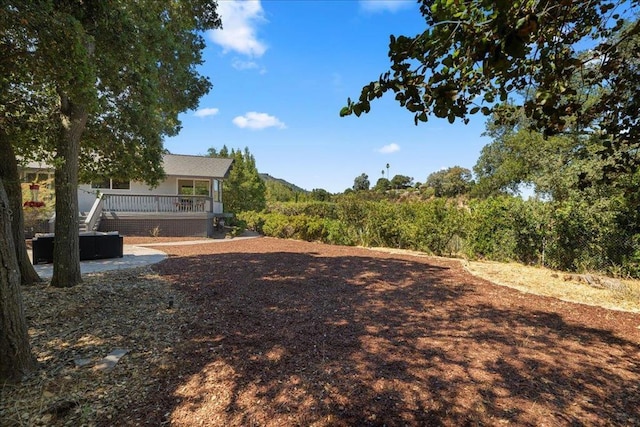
(156,203)
(95,213)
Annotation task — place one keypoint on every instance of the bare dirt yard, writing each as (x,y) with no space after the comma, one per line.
(268,332)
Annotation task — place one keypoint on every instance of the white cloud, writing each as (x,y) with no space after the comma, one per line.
(205,112)
(388,149)
(385,5)
(239,64)
(242,65)
(240,19)
(253,120)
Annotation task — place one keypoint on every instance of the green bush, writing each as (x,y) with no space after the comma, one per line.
(337,233)
(569,235)
(429,226)
(253,220)
(319,209)
(584,236)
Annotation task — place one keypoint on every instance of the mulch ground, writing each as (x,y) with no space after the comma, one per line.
(287,333)
(269,332)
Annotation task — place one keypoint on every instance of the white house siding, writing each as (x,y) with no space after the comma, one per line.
(169,187)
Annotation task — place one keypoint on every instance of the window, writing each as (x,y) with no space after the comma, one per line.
(36,177)
(111,184)
(193,187)
(101,184)
(118,184)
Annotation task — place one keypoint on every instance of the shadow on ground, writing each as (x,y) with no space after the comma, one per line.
(283,338)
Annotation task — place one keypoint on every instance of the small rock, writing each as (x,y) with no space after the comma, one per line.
(614,285)
(107,364)
(81,362)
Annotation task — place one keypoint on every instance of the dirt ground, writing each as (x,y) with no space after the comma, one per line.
(269,332)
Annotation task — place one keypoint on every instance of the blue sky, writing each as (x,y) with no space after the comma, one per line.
(283,69)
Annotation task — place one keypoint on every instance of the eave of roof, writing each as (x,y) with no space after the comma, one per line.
(178,165)
(196,166)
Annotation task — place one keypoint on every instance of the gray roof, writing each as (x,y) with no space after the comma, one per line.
(36,165)
(179,165)
(196,166)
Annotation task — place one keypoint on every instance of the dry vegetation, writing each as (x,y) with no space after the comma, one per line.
(589,289)
(275,333)
(614,294)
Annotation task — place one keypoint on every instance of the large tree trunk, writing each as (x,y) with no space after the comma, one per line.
(66,243)
(11,179)
(16,359)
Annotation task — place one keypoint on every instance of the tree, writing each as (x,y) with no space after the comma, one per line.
(11,179)
(224,152)
(401,181)
(129,70)
(518,156)
(110,79)
(20,123)
(16,358)
(382,185)
(450,182)
(474,55)
(361,183)
(320,195)
(244,190)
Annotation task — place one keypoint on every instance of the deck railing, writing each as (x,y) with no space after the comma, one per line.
(156,203)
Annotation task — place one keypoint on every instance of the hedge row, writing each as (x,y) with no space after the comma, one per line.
(573,236)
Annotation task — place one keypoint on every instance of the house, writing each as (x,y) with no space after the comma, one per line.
(187,203)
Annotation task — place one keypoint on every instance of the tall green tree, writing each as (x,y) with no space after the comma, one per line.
(401,181)
(10,177)
(361,182)
(244,189)
(23,116)
(110,79)
(522,157)
(128,71)
(450,182)
(320,195)
(382,185)
(16,358)
(474,55)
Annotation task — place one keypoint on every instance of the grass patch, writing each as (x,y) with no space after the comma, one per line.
(557,284)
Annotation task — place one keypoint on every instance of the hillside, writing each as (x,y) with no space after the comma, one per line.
(267,178)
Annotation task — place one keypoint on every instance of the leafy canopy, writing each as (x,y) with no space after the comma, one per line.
(130,65)
(244,189)
(361,182)
(475,55)
(450,182)
(401,181)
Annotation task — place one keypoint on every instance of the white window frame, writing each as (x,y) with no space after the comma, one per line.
(193,186)
(95,187)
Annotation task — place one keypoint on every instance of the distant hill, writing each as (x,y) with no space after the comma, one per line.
(266,178)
